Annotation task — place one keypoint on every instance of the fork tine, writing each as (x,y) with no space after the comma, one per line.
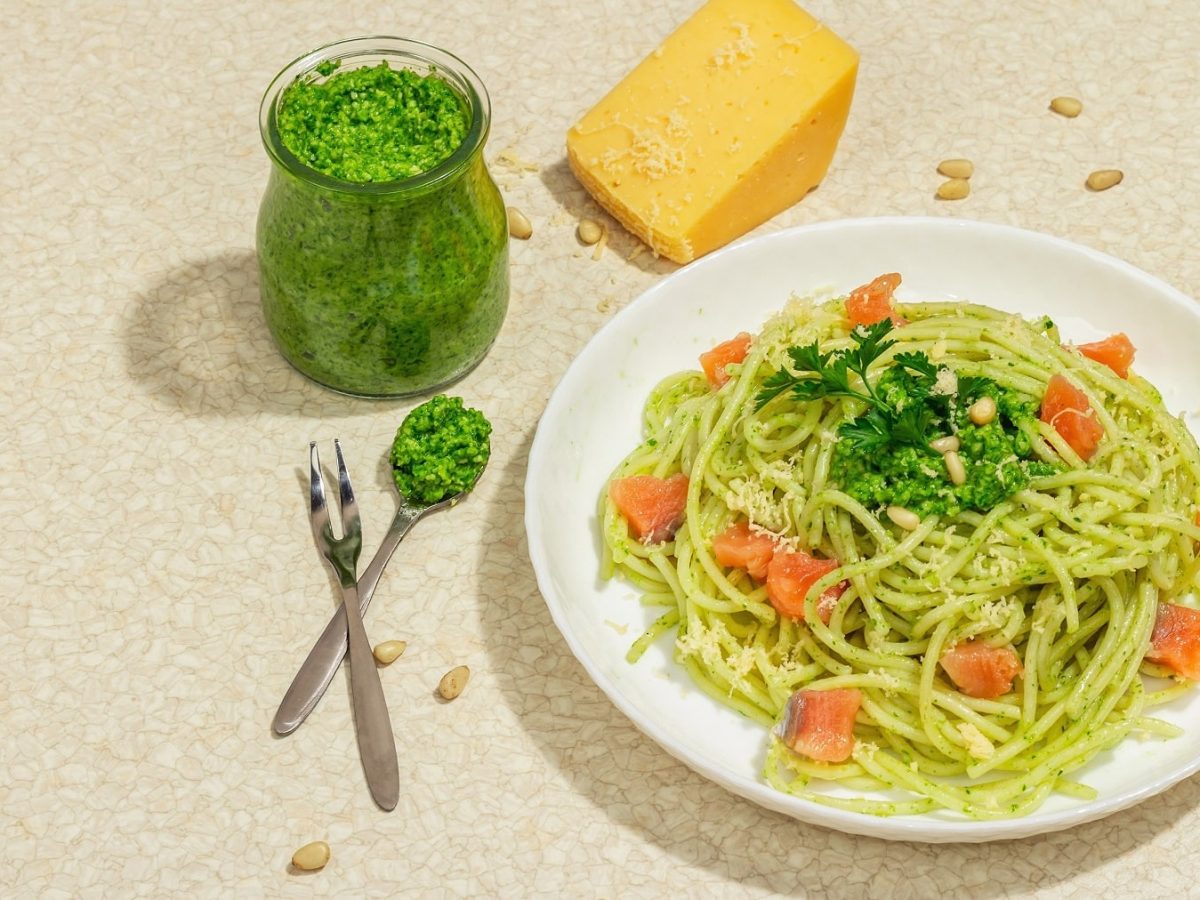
(350,522)
(319,512)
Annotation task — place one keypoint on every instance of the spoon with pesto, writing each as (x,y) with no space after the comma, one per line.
(439,452)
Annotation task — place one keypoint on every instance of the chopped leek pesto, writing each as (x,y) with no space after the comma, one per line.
(440,450)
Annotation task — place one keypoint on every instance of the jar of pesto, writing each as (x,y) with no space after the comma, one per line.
(382,239)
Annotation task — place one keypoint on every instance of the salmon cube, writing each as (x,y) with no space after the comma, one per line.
(1115,351)
(790,575)
(740,548)
(715,360)
(820,724)
(980,670)
(1175,642)
(872,302)
(1066,408)
(653,507)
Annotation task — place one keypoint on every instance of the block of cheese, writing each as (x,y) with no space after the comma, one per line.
(733,118)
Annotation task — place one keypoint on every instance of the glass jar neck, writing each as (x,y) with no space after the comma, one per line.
(398,53)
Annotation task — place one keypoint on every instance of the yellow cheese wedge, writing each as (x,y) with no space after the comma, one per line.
(732,119)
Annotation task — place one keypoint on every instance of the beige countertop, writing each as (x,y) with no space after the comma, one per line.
(159,580)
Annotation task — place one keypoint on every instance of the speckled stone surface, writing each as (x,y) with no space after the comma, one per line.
(158,578)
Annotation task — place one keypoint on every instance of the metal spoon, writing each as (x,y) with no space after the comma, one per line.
(326,655)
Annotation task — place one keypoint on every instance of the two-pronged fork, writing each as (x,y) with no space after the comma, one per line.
(373,726)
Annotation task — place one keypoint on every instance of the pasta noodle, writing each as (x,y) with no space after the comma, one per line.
(1069,571)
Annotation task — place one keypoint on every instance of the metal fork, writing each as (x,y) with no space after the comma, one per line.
(372,725)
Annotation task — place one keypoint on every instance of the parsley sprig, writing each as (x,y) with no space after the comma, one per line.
(815,375)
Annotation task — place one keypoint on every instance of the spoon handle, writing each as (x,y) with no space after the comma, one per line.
(327,653)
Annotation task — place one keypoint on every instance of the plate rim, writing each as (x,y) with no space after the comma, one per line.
(901,828)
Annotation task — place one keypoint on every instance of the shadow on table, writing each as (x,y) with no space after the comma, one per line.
(571,196)
(197,340)
(641,788)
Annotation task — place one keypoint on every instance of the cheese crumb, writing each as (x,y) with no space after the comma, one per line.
(739,51)
(701,642)
(652,158)
(677,125)
(946,384)
(977,745)
(508,157)
(750,496)
(888,681)
(993,614)
(619,629)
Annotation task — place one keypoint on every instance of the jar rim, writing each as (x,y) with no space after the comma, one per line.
(458,73)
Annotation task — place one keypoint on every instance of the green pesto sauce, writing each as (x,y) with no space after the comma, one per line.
(996,457)
(389,293)
(372,124)
(440,450)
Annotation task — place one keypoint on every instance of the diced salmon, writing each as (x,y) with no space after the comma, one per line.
(820,724)
(1066,408)
(791,574)
(739,547)
(872,302)
(1175,642)
(653,507)
(1115,351)
(715,360)
(981,670)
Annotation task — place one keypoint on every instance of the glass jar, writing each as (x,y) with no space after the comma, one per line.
(389,289)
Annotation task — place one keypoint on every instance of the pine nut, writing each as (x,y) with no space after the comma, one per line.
(519,225)
(954,467)
(956,168)
(954,189)
(600,245)
(944,444)
(904,518)
(590,231)
(1103,179)
(1066,106)
(311,857)
(389,651)
(982,411)
(453,682)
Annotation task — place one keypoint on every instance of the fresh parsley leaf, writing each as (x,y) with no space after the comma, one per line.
(870,431)
(903,411)
(808,358)
(917,362)
(972,387)
(836,377)
(872,340)
(912,425)
(773,386)
(811,389)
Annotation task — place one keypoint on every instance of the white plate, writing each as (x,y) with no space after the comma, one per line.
(593,420)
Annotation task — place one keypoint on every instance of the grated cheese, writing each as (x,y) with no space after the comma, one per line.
(946,384)
(978,745)
(738,52)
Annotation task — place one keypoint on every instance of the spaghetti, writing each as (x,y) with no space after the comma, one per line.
(1068,570)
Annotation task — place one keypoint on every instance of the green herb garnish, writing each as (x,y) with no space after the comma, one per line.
(817,375)
(883,455)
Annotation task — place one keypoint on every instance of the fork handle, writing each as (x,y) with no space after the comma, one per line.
(372,724)
(327,653)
